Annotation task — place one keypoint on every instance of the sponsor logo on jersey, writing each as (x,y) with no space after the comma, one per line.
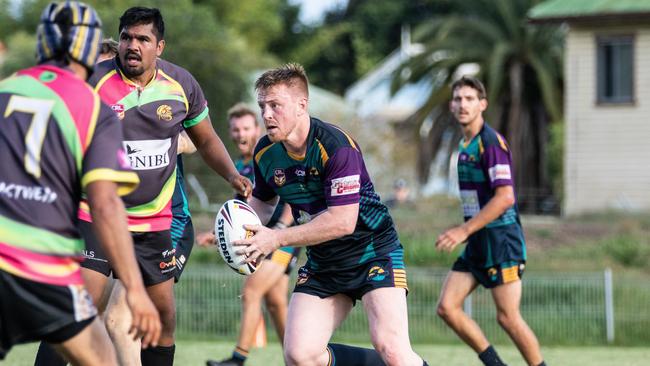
(302,278)
(313,172)
(278,177)
(168,252)
(499,171)
(148,154)
(164,112)
(168,266)
(346,185)
(304,217)
(299,172)
(28,193)
(119,110)
(376,273)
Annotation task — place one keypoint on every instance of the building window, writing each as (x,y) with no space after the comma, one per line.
(615,68)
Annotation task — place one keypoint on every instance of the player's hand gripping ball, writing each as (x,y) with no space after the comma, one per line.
(228,227)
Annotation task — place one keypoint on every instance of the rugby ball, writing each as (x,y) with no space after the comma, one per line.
(228,227)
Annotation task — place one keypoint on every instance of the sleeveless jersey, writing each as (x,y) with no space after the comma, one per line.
(56,137)
(332,173)
(152,119)
(484,164)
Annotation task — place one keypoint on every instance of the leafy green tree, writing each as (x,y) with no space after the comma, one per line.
(521,65)
(352,40)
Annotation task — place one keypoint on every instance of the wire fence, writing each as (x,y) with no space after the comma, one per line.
(562,308)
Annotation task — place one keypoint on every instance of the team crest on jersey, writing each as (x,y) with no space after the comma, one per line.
(119,110)
(164,112)
(313,172)
(302,278)
(278,177)
(376,273)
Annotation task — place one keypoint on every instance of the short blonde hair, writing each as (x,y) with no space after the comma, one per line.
(291,74)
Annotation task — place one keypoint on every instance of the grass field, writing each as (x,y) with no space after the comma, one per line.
(195,354)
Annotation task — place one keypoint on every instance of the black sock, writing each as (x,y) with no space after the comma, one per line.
(158,356)
(343,355)
(424,363)
(47,356)
(489,357)
(542,364)
(239,355)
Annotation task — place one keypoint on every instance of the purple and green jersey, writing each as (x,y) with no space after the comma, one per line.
(332,173)
(484,164)
(56,138)
(152,118)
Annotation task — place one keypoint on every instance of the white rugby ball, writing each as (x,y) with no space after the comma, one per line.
(228,227)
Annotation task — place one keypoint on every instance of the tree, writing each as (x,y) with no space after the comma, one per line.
(354,39)
(521,65)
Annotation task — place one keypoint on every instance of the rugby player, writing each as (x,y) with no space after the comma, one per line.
(155,100)
(352,247)
(495,254)
(271,280)
(59,140)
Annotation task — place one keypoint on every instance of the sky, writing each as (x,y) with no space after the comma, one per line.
(312,11)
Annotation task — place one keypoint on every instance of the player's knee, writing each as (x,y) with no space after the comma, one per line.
(167,318)
(251,295)
(445,310)
(296,356)
(507,319)
(393,350)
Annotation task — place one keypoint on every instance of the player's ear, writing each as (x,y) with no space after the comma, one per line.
(302,105)
(160,47)
(484,104)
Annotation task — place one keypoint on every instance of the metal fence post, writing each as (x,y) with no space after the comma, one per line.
(609,305)
(467,305)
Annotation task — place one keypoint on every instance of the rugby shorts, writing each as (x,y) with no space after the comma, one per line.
(493,276)
(153,252)
(32,311)
(383,271)
(183,242)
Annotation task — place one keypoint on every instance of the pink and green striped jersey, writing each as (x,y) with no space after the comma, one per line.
(152,118)
(56,137)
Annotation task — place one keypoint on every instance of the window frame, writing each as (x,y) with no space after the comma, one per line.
(609,39)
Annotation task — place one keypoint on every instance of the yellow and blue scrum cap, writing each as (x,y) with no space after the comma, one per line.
(69,28)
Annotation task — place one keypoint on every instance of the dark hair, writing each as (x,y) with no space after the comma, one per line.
(139,15)
(291,74)
(109,45)
(240,110)
(473,83)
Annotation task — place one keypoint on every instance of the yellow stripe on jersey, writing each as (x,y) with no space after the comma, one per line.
(259,154)
(93,120)
(510,274)
(295,156)
(178,85)
(502,142)
(481,150)
(350,140)
(104,79)
(323,152)
(128,181)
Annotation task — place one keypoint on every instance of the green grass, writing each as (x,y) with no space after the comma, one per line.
(195,353)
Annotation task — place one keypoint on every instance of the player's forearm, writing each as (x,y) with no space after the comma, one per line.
(110,226)
(502,201)
(324,227)
(214,153)
(264,210)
